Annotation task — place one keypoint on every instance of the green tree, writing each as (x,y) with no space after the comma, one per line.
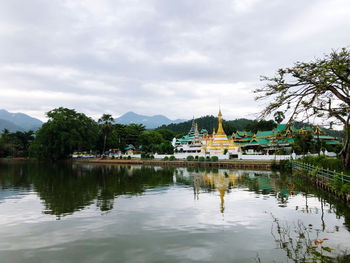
(318,89)
(279,116)
(16,143)
(4,149)
(64,132)
(166,148)
(133,132)
(167,134)
(105,123)
(303,143)
(150,141)
(261,125)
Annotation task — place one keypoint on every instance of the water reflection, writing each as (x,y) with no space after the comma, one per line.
(223,181)
(66,188)
(267,184)
(162,214)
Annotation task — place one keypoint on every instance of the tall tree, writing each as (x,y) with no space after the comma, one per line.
(65,131)
(316,89)
(105,122)
(278,116)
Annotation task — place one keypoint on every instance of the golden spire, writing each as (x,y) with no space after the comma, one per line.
(220,129)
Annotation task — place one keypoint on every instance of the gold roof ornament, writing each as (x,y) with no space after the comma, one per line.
(220,129)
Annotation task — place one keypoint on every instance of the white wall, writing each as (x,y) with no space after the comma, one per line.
(240,156)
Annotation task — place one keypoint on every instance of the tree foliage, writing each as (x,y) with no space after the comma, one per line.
(209,123)
(15,144)
(261,125)
(66,131)
(105,123)
(316,89)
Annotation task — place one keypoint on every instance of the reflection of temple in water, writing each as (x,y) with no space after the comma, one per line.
(223,180)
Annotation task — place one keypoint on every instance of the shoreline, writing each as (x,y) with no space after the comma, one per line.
(234,164)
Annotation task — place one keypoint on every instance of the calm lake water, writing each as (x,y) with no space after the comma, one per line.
(73,212)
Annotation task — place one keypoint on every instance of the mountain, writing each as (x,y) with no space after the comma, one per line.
(4,124)
(18,121)
(151,122)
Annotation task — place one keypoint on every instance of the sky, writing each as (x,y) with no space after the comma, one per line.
(178,58)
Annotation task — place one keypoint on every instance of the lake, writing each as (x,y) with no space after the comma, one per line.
(78,212)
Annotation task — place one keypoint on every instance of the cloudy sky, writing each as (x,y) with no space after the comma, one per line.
(178,58)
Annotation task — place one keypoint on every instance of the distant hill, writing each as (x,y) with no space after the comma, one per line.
(208,122)
(18,121)
(4,124)
(151,122)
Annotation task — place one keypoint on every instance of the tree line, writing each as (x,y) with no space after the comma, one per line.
(210,123)
(67,131)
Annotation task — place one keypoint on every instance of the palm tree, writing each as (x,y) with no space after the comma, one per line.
(105,122)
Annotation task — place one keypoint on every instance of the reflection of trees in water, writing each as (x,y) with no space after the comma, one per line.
(281,186)
(328,203)
(302,243)
(13,176)
(66,188)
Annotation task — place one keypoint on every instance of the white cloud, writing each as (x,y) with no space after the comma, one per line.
(177,58)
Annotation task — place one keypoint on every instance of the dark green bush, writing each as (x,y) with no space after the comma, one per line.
(196,157)
(129,157)
(166,158)
(190,158)
(145,156)
(201,159)
(214,158)
(172,158)
(207,159)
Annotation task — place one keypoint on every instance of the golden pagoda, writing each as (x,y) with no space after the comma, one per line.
(219,142)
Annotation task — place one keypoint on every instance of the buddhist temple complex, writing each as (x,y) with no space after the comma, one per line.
(262,142)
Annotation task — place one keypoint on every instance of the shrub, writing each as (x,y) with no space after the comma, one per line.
(190,158)
(196,157)
(112,157)
(129,157)
(207,159)
(324,162)
(145,156)
(166,158)
(172,158)
(314,173)
(120,157)
(345,189)
(337,183)
(201,159)
(214,159)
